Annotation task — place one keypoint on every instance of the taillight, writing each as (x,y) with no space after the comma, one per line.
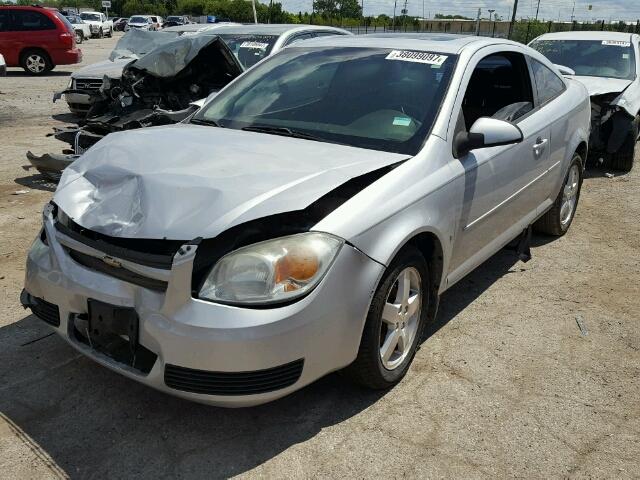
(68,40)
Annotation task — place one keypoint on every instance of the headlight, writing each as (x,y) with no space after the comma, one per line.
(273,271)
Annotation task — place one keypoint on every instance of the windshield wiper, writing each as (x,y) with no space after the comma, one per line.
(283,131)
(204,121)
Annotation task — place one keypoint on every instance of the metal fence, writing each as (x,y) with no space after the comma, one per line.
(523,31)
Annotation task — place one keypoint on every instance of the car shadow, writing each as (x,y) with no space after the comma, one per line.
(66,117)
(37,182)
(90,421)
(22,73)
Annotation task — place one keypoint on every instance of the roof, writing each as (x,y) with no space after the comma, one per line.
(586,35)
(270,29)
(442,43)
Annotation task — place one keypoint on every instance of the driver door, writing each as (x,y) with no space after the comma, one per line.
(500,191)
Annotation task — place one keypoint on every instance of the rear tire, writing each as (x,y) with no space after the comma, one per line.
(79,37)
(373,368)
(623,158)
(557,220)
(36,62)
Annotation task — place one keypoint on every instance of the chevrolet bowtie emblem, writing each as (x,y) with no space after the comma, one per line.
(112,262)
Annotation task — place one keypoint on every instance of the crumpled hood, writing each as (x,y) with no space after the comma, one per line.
(100,69)
(600,86)
(185,181)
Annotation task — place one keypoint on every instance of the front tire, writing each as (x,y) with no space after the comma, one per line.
(110,34)
(623,158)
(79,37)
(100,33)
(558,219)
(395,322)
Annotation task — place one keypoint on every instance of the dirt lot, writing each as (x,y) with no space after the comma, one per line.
(506,385)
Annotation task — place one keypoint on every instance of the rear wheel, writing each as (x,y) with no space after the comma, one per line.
(79,37)
(623,158)
(558,219)
(394,323)
(36,62)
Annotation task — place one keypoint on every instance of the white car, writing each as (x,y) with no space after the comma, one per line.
(608,64)
(308,218)
(82,28)
(141,22)
(98,23)
(3,66)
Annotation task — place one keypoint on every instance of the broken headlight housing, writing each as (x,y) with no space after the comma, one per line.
(273,271)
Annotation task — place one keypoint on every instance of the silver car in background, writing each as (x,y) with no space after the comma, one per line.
(608,64)
(309,217)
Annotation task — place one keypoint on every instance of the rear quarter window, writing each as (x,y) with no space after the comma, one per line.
(548,84)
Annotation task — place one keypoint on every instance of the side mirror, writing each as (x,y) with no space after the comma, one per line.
(565,70)
(486,132)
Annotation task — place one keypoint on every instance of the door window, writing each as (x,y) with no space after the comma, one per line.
(548,84)
(25,20)
(500,87)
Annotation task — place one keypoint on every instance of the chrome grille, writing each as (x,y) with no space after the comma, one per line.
(87,84)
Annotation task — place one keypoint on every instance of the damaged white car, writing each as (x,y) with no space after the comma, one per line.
(608,64)
(308,217)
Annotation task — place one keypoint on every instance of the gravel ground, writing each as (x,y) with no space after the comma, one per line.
(506,384)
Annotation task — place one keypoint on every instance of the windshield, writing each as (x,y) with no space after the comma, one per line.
(594,58)
(364,97)
(138,20)
(90,16)
(249,49)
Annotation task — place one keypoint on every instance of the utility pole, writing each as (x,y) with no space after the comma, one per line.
(573,11)
(491,10)
(393,23)
(478,21)
(537,10)
(270,7)
(513,18)
(255,15)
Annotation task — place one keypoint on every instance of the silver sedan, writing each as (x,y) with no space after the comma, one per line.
(308,218)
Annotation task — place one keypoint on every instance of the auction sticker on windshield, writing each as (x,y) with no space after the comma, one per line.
(261,46)
(418,57)
(616,43)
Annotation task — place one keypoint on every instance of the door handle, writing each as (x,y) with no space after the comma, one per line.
(538,147)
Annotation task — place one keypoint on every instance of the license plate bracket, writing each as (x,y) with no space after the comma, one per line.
(107,321)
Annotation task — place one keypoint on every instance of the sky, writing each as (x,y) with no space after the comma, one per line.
(628,10)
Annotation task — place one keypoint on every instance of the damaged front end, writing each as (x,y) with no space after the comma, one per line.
(610,125)
(156,89)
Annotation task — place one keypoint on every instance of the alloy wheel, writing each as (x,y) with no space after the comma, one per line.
(400,318)
(36,63)
(570,195)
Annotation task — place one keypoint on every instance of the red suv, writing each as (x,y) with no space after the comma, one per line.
(37,39)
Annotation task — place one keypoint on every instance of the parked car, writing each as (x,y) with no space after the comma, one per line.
(157,22)
(140,22)
(608,64)
(323,202)
(98,23)
(82,29)
(3,67)
(249,43)
(120,24)
(36,39)
(176,20)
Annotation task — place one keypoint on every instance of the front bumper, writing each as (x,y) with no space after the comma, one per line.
(322,330)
